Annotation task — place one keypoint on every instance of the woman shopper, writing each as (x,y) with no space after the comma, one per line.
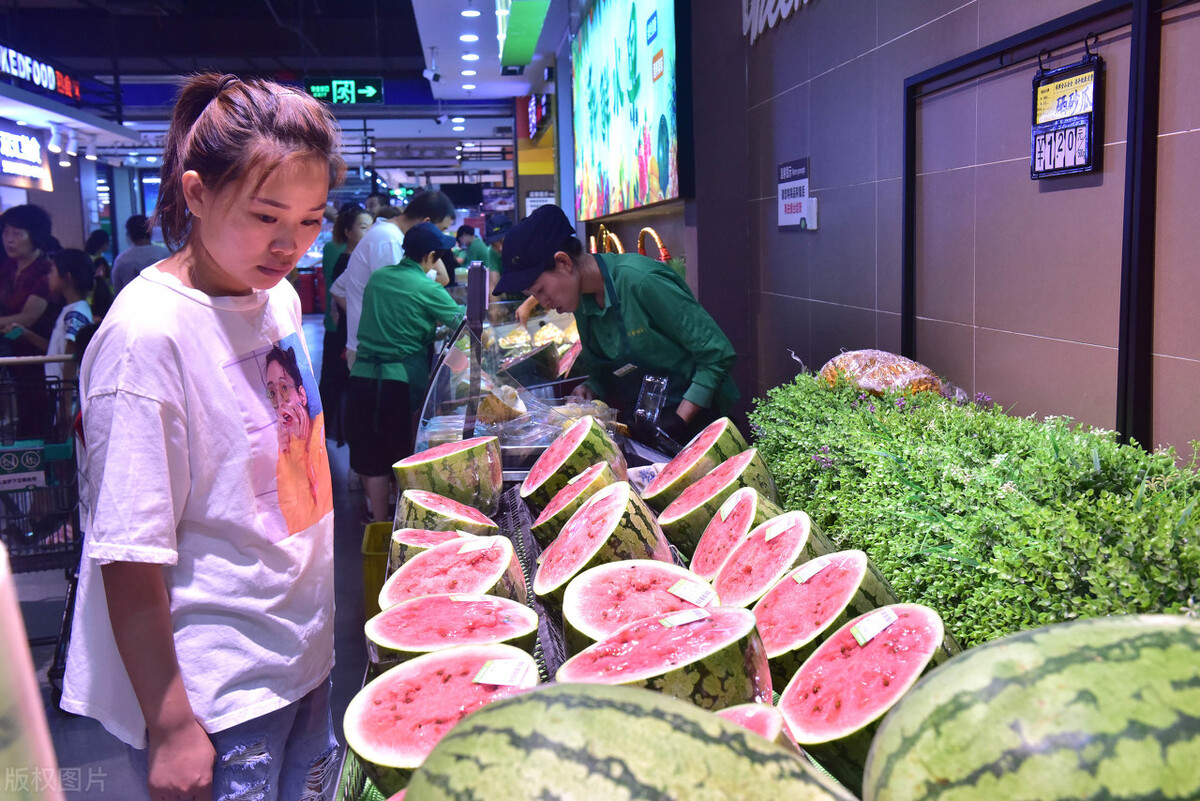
(101,296)
(203,634)
(400,313)
(351,225)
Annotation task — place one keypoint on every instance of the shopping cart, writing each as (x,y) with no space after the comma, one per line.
(39,486)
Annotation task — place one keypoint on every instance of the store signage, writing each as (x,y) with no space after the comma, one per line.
(539,113)
(1068,110)
(40,74)
(796,208)
(758,15)
(21,468)
(346,91)
(24,160)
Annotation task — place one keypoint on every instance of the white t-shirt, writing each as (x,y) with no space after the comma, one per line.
(73,317)
(191,466)
(380,246)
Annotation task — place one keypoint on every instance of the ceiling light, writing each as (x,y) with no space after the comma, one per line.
(470,56)
(470,11)
(458,147)
(22,122)
(468,144)
(63,161)
(468,73)
(90,156)
(55,145)
(151,159)
(459,128)
(468,86)
(72,143)
(458,119)
(468,37)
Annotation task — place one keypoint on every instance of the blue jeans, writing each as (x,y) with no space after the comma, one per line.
(288,754)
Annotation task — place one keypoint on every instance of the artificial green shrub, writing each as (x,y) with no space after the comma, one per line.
(999,523)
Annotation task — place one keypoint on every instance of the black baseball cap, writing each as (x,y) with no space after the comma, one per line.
(497,228)
(530,247)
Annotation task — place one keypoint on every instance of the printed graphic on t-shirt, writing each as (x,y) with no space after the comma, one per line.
(286,426)
(73,323)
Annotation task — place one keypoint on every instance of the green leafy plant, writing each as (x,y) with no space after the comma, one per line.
(1000,523)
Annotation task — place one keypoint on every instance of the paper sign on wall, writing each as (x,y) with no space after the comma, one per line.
(797,209)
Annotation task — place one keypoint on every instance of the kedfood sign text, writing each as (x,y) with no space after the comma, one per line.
(19,65)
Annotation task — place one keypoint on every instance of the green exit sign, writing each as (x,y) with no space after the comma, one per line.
(346,91)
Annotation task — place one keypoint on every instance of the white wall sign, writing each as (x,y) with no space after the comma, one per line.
(758,15)
(796,208)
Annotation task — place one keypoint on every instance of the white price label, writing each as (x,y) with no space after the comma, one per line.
(811,569)
(480,544)
(684,617)
(504,672)
(727,508)
(693,592)
(870,627)
(778,528)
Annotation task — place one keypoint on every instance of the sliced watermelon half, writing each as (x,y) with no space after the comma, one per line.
(583,444)
(834,703)
(604,598)
(767,553)
(685,519)
(612,525)
(408,542)
(395,721)
(568,500)
(468,471)
(428,510)
(813,600)
(468,566)
(719,441)
(741,512)
(433,622)
(763,719)
(712,657)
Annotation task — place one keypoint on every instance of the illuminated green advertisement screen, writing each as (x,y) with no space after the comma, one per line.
(626,133)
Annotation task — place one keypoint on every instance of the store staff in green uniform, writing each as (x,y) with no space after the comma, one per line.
(401,311)
(636,317)
(493,236)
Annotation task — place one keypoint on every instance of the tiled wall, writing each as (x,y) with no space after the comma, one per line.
(1018,288)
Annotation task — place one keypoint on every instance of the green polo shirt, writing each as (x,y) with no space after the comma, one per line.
(478,251)
(400,313)
(669,333)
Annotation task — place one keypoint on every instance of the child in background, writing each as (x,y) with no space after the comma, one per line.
(71,276)
(203,632)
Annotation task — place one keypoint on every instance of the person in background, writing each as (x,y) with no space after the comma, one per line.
(102,293)
(476,250)
(139,255)
(375,202)
(350,227)
(400,313)
(384,245)
(71,276)
(636,317)
(497,228)
(203,631)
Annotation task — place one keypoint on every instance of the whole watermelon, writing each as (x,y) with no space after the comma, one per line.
(1092,709)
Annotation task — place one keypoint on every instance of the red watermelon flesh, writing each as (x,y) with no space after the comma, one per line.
(558,452)
(844,686)
(426,538)
(792,613)
(570,492)
(723,534)
(710,485)
(438,451)
(465,565)
(686,458)
(434,622)
(604,598)
(764,720)
(762,558)
(440,503)
(398,717)
(645,648)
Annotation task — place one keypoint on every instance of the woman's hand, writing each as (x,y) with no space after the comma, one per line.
(181,764)
(526,310)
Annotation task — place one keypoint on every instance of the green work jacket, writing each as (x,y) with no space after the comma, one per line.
(478,251)
(656,325)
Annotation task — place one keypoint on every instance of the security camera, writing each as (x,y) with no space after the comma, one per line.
(431,75)
(441,118)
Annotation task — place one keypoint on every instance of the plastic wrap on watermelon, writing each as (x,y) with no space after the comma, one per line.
(878,371)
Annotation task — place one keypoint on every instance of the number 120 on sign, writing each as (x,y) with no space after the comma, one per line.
(1061,149)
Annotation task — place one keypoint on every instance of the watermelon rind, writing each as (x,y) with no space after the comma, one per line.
(694,461)
(869,692)
(685,519)
(1101,708)
(552,470)
(568,500)
(572,741)
(871,591)
(408,542)
(468,471)
(428,510)
(580,619)
(384,743)
(635,535)
(746,507)
(435,622)
(729,674)
(506,578)
(747,574)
